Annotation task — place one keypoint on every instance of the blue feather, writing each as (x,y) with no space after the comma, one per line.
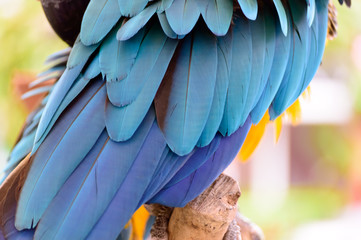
(133,25)
(51,70)
(126,201)
(33,121)
(122,122)
(311,10)
(270,30)
(168,165)
(117,57)
(22,148)
(60,54)
(77,87)
(100,182)
(249,8)
(36,91)
(200,156)
(279,64)
(183,100)
(99,18)
(60,90)
(80,54)
(131,8)
(218,15)
(269,50)
(318,41)
(182,16)
(282,16)
(166,27)
(258,77)
(93,70)
(53,75)
(240,76)
(179,194)
(123,92)
(44,178)
(224,53)
(165,4)
(297,61)
(57,210)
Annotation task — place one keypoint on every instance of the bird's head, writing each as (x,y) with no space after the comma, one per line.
(65,17)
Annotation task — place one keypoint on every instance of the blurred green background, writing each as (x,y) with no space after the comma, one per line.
(332,181)
(25,41)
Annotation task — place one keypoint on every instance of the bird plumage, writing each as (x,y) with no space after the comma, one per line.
(155,102)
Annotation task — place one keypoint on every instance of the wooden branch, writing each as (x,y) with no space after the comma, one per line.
(249,230)
(209,216)
(212,215)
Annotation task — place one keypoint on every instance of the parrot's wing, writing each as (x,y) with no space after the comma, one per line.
(155,103)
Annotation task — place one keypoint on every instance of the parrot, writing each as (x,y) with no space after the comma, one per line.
(153,100)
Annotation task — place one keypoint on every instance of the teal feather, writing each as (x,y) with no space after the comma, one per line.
(139,65)
(31,128)
(34,123)
(279,64)
(56,107)
(77,87)
(183,15)
(224,54)
(58,94)
(131,8)
(36,91)
(165,4)
(118,57)
(51,70)
(282,15)
(47,78)
(80,54)
(297,60)
(310,51)
(318,41)
(22,148)
(99,18)
(240,76)
(183,100)
(311,10)
(249,8)
(270,41)
(60,54)
(93,70)
(44,178)
(133,25)
(166,27)
(218,15)
(258,80)
(122,122)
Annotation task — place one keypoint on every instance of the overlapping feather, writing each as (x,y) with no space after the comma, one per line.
(210,78)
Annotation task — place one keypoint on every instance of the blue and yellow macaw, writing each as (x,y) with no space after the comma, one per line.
(154,100)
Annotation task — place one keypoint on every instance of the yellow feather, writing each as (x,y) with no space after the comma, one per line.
(294,112)
(257,131)
(253,138)
(139,221)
